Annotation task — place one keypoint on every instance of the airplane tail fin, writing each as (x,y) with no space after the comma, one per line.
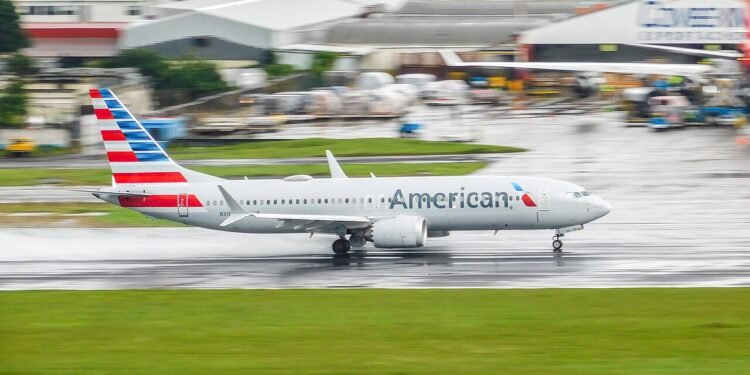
(450,58)
(133,154)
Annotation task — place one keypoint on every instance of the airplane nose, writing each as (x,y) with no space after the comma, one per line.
(601,208)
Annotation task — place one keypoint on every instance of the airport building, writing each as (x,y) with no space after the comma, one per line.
(239,30)
(410,35)
(60,11)
(618,32)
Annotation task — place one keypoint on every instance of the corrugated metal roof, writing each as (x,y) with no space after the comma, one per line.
(431,32)
(486,8)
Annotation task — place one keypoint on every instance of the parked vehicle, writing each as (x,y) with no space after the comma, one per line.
(668,111)
(21,146)
(410,130)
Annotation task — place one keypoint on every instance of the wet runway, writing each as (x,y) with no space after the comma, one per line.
(681,217)
(603,255)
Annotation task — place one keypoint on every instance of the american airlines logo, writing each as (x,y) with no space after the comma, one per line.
(459,199)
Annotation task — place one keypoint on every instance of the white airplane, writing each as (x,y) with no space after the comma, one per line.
(687,70)
(588,74)
(389,212)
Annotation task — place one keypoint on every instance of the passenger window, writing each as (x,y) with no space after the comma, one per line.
(346,200)
(255,202)
(268,202)
(221,203)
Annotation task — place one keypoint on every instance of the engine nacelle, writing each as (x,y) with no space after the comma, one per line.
(400,231)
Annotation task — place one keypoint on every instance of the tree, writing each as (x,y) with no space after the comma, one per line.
(198,77)
(148,62)
(20,65)
(13,104)
(323,62)
(12,38)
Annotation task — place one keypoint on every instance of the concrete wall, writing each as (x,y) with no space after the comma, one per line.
(208,48)
(588,53)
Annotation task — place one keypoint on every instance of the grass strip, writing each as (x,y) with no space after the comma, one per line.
(57,215)
(315,147)
(559,331)
(94,176)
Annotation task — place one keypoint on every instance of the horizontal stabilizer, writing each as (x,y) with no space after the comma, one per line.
(237,212)
(97,193)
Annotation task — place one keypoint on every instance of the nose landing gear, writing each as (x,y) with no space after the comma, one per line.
(557,244)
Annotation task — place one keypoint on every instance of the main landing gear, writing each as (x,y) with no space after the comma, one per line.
(557,244)
(341,246)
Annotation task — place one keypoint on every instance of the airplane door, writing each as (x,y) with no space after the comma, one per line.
(182,205)
(544,199)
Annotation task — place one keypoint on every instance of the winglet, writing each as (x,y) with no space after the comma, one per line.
(333,165)
(450,58)
(237,212)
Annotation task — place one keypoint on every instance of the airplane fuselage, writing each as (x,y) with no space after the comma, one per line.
(446,203)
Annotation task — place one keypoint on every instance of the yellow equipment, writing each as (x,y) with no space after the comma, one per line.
(21,146)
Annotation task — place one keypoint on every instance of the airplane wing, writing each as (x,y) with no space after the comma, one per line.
(688,70)
(691,51)
(296,221)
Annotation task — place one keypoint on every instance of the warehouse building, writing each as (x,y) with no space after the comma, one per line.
(238,30)
(617,33)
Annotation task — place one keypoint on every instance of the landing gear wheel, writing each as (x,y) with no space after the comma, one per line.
(341,246)
(557,245)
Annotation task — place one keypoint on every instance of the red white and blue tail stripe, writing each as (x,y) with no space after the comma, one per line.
(134,156)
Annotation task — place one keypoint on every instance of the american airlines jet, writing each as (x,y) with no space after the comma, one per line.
(389,212)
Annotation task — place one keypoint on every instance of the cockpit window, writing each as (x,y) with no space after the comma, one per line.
(577,194)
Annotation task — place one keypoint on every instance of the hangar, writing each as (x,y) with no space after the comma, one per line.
(238,30)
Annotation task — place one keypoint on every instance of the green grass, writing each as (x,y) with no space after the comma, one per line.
(567,331)
(91,176)
(315,147)
(115,216)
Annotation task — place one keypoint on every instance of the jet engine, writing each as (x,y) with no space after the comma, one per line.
(400,231)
